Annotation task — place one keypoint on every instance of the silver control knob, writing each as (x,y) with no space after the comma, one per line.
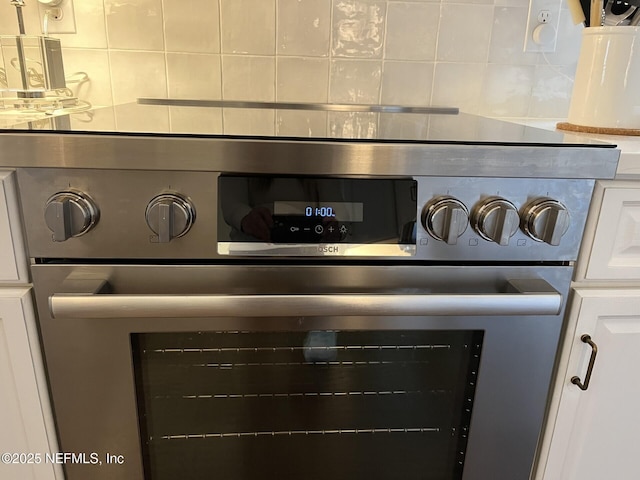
(445,218)
(545,220)
(70,214)
(170,216)
(495,219)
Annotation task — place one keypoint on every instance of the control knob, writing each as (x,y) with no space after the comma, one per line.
(545,220)
(495,219)
(169,216)
(445,218)
(70,214)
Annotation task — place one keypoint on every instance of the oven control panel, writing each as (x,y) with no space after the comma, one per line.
(489,218)
(201,215)
(316,216)
(496,219)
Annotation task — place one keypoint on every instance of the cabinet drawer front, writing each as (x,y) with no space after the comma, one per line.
(13,264)
(615,252)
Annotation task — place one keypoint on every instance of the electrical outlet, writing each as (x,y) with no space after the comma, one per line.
(60,16)
(544,16)
(542,26)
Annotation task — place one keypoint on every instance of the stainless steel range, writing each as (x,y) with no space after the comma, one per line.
(249,305)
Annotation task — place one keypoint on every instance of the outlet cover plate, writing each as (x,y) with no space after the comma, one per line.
(535,8)
(67,24)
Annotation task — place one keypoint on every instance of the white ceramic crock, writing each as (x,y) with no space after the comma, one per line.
(606,92)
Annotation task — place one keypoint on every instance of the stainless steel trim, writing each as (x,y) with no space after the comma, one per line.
(324,107)
(301,157)
(526,298)
(316,249)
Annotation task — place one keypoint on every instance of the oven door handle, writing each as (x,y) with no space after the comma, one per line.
(521,297)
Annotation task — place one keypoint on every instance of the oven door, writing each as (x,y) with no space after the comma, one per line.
(299,371)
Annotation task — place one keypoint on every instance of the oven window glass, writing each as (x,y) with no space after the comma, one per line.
(312,405)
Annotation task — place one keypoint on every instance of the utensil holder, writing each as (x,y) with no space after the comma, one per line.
(32,65)
(606,92)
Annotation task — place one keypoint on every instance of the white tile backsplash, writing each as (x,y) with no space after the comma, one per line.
(468,2)
(96,88)
(512,3)
(551,92)
(358,28)
(257,122)
(137,74)
(412,31)
(407,83)
(567,50)
(248,78)
(194,75)
(300,123)
(402,126)
(90,26)
(134,24)
(507,90)
(248,26)
(192,26)
(355,81)
(459,85)
(353,124)
(302,79)
(100,118)
(507,37)
(9,19)
(152,118)
(464,33)
(195,120)
(304,27)
(464,53)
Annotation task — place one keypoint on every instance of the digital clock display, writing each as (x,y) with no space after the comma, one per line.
(341,211)
(315,216)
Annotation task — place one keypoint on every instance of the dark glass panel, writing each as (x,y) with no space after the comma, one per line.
(379,405)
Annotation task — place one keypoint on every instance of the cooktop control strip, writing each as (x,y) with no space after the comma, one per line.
(491,219)
(180,215)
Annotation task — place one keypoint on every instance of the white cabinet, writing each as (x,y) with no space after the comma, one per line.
(595,432)
(26,419)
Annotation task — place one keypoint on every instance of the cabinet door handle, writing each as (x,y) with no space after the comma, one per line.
(592,360)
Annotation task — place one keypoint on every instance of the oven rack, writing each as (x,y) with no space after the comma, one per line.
(298,348)
(299,394)
(341,363)
(341,431)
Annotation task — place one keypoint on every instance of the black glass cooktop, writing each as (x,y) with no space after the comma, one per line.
(362,123)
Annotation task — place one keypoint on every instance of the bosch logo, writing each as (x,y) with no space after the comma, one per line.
(329,249)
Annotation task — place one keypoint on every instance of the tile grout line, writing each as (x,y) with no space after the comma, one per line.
(109,63)
(166,58)
(220,58)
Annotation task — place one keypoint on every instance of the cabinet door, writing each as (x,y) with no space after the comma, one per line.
(25,415)
(595,435)
(615,251)
(13,263)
